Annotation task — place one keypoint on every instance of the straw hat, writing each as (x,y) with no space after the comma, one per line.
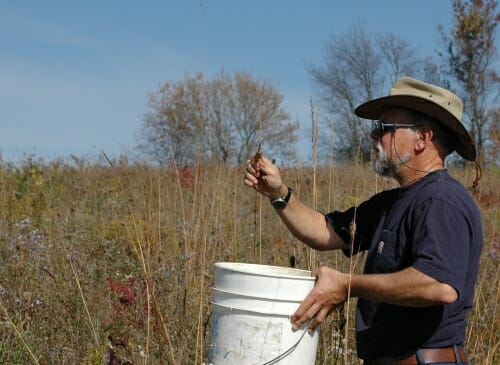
(438,103)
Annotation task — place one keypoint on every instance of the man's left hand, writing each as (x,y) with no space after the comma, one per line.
(330,290)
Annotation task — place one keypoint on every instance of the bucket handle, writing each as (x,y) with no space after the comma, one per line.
(290,350)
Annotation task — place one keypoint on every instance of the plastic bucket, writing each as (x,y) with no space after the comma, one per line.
(251,309)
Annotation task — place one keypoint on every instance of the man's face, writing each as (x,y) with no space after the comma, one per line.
(392,148)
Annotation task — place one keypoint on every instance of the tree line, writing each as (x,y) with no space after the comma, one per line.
(223,119)
(230,117)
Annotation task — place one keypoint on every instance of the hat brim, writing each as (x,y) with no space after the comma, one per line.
(373,109)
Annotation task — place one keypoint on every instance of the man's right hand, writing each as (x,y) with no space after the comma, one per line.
(262,175)
(306,224)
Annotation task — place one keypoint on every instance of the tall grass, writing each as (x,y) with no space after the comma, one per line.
(113,264)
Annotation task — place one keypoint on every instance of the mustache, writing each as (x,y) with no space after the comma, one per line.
(377,148)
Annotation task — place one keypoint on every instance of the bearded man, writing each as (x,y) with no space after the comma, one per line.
(423,239)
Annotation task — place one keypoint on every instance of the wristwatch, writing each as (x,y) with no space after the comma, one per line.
(280,203)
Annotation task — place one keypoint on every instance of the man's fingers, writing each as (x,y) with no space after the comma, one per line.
(305,312)
(319,318)
(251,174)
(315,314)
(250,167)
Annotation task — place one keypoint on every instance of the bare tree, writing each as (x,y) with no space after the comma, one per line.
(358,67)
(258,117)
(470,54)
(223,119)
(172,129)
(399,57)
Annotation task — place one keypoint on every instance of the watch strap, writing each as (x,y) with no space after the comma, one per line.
(280,203)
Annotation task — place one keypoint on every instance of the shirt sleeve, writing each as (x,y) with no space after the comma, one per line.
(441,243)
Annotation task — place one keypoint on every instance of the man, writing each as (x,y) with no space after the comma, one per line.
(423,239)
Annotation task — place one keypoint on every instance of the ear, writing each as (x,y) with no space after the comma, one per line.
(424,138)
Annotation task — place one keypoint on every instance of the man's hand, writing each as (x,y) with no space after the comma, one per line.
(262,175)
(330,290)
(408,287)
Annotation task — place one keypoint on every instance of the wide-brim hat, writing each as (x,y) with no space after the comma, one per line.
(440,104)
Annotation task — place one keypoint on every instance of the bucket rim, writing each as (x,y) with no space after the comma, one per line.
(242,267)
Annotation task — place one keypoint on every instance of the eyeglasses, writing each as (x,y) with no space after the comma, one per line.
(380,128)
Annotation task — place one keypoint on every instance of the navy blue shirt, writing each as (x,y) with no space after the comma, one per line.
(434,226)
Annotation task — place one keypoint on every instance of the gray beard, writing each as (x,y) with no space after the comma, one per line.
(383,166)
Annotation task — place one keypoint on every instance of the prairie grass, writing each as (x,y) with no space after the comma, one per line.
(113,263)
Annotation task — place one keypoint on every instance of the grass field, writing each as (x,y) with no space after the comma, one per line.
(113,263)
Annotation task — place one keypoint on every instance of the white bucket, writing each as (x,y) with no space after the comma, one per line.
(251,309)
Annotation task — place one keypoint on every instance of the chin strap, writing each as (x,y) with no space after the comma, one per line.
(479,174)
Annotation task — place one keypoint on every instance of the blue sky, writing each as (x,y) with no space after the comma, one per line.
(75,75)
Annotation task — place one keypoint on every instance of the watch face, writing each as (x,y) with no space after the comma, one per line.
(279,203)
